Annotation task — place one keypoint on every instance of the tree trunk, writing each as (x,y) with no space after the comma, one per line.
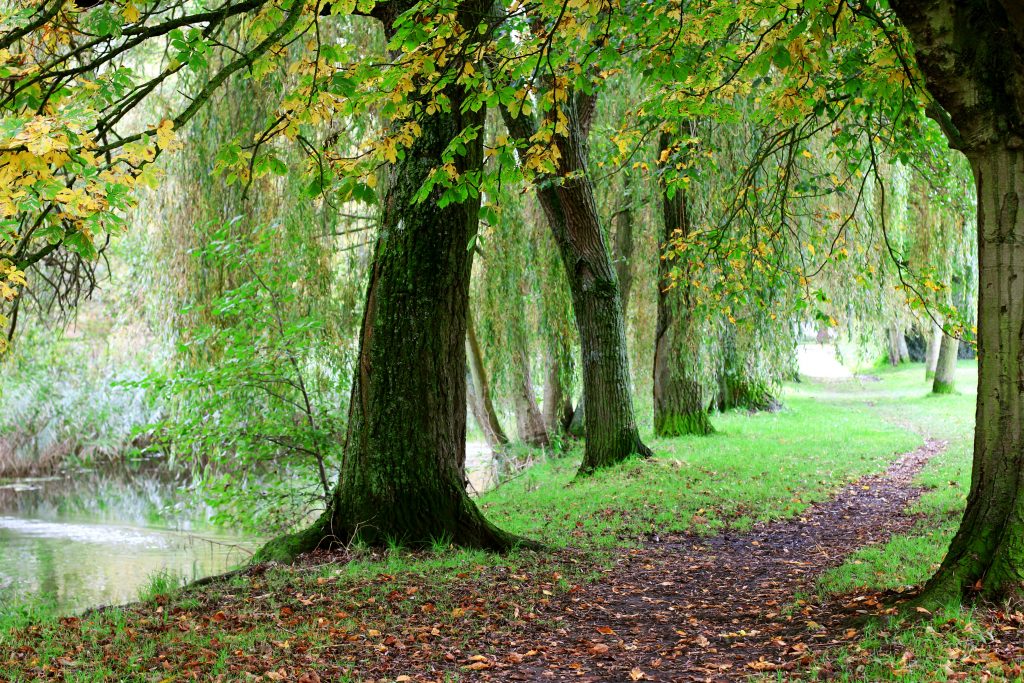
(483,406)
(945,369)
(624,245)
(679,406)
(578,426)
(898,352)
(568,203)
(971,53)
(988,550)
(404,451)
(557,406)
(901,343)
(893,347)
(737,388)
(931,355)
(529,421)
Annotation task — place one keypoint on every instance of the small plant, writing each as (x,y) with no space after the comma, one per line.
(161,584)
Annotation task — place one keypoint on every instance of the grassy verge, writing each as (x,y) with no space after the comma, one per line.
(430,616)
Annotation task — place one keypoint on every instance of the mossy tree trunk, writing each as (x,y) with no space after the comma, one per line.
(529,421)
(401,473)
(738,387)
(569,205)
(971,53)
(679,406)
(623,223)
(557,405)
(933,345)
(483,406)
(945,368)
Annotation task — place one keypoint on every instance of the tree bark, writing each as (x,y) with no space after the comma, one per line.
(901,344)
(568,203)
(529,421)
(679,406)
(557,406)
(483,406)
(893,346)
(404,451)
(898,352)
(737,388)
(931,355)
(971,53)
(624,245)
(945,369)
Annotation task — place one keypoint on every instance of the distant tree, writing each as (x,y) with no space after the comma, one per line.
(680,406)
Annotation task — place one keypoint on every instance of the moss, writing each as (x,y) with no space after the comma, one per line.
(286,548)
(683,424)
(940,387)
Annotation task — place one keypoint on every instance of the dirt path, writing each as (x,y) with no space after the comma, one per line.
(692,608)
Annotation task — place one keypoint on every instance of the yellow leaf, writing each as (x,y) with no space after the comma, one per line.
(165,134)
(130,12)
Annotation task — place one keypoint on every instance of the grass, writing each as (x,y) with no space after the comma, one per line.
(343,620)
(756,467)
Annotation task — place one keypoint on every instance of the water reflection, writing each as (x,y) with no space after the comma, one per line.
(91,538)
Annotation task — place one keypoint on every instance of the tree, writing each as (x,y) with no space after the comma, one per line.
(971,56)
(566,194)
(945,367)
(480,391)
(679,404)
(401,476)
(933,344)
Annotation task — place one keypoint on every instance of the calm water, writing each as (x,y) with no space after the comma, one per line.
(91,538)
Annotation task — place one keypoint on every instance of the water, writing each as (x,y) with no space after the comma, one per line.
(97,538)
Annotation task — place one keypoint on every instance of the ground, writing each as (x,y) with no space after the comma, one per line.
(784,547)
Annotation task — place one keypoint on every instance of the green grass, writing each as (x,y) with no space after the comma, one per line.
(334,618)
(756,467)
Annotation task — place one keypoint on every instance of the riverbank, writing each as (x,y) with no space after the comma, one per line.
(460,615)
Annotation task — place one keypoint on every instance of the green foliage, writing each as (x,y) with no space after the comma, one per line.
(64,400)
(260,412)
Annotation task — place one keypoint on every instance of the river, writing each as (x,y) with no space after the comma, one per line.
(98,537)
(91,538)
